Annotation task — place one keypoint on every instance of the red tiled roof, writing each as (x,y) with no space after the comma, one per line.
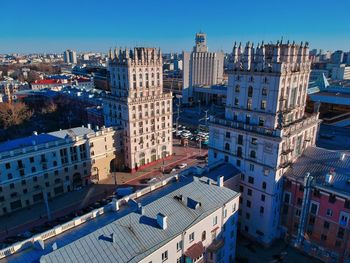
(195,251)
(47,81)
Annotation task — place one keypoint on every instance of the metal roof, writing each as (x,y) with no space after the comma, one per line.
(319,162)
(42,138)
(137,236)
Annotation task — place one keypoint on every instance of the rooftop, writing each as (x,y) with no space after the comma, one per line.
(129,236)
(319,162)
(42,138)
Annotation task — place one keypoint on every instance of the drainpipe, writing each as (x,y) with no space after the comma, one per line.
(304,210)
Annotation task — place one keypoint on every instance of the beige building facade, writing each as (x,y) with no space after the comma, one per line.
(139,106)
(43,166)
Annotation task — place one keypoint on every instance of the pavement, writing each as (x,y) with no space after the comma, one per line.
(71,202)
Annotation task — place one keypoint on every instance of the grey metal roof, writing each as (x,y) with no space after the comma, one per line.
(42,138)
(136,235)
(318,162)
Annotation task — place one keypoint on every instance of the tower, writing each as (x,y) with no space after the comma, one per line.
(265,128)
(138,104)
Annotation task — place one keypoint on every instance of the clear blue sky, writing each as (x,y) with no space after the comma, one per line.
(95,25)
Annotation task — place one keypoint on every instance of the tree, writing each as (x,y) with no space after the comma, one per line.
(12,114)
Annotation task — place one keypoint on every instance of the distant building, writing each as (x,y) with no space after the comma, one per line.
(201,68)
(341,72)
(337,57)
(138,104)
(9,88)
(48,84)
(47,165)
(70,57)
(265,128)
(186,221)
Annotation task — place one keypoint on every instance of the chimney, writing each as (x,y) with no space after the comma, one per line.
(220,181)
(162,221)
(115,205)
(89,126)
(342,156)
(141,208)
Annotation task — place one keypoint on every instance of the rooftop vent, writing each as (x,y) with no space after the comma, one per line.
(162,221)
(35,133)
(220,181)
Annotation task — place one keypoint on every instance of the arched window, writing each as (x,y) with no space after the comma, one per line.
(204,235)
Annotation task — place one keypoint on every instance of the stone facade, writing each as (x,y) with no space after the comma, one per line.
(265,128)
(47,165)
(138,104)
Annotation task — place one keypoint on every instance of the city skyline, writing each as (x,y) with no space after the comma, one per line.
(90,27)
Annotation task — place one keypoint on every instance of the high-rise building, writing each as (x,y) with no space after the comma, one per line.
(265,128)
(337,57)
(201,67)
(138,104)
(70,56)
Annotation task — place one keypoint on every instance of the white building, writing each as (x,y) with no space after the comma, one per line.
(201,67)
(138,104)
(185,221)
(341,72)
(70,56)
(264,129)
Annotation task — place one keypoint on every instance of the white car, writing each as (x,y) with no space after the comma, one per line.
(182,165)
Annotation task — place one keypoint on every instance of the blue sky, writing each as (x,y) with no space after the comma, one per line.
(55,25)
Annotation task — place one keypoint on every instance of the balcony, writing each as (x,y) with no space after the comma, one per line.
(245,127)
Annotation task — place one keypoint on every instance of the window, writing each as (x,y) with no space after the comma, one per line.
(204,235)
(215,220)
(343,219)
(262,209)
(251,180)
(238,163)
(249,204)
(236,102)
(326,225)
(297,212)
(228,135)
(250,91)
(329,212)
(191,237)
(254,141)
(263,105)
(247,216)
(340,233)
(286,197)
(227,146)
(225,213)
(247,119)
(31,159)
(237,88)
(264,91)
(239,151)
(179,245)
(252,154)
(261,122)
(165,255)
(264,185)
(8,166)
(240,139)
(262,198)
(249,104)
(249,192)
(313,208)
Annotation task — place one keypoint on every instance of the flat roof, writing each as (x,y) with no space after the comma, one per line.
(136,236)
(319,162)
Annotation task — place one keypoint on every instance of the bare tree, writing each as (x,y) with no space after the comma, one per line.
(14,114)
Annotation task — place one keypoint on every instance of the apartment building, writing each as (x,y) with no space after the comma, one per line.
(316,204)
(138,104)
(188,220)
(46,165)
(9,88)
(265,128)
